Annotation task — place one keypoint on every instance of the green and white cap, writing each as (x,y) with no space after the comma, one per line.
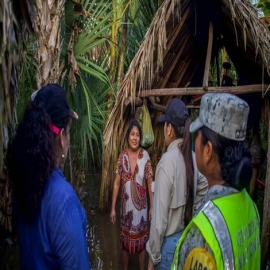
(225,114)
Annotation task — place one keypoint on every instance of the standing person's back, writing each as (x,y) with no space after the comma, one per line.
(224,234)
(171,167)
(49,218)
(178,185)
(61,213)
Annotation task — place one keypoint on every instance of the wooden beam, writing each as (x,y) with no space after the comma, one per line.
(218,75)
(265,233)
(208,57)
(156,106)
(175,62)
(138,102)
(190,106)
(237,90)
(184,68)
(171,38)
(174,35)
(161,108)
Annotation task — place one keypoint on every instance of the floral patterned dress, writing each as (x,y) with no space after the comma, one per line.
(133,215)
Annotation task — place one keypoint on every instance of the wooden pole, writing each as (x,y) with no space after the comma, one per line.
(208,57)
(172,38)
(252,184)
(137,101)
(218,78)
(176,62)
(186,91)
(107,163)
(265,233)
(156,106)
(121,63)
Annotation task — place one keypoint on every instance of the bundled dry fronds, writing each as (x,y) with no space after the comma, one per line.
(253,29)
(74,69)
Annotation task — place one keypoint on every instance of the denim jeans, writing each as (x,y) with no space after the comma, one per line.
(167,251)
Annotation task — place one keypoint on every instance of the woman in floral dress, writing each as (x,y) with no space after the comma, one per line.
(134,174)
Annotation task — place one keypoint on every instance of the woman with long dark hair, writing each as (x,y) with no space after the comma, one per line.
(134,174)
(49,218)
(178,186)
(225,231)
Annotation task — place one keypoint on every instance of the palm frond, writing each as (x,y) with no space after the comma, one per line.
(91,99)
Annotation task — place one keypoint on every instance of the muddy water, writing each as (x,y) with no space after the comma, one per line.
(103,237)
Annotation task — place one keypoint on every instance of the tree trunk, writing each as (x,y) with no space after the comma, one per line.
(122,54)
(106,180)
(265,234)
(8,101)
(120,8)
(46,16)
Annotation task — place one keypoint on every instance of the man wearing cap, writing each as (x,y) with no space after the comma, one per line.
(224,233)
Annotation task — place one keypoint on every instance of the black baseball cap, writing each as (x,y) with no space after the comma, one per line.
(176,113)
(55,102)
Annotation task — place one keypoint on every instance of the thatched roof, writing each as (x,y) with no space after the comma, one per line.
(176,42)
(173,55)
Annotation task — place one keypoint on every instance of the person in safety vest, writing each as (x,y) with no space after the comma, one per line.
(224,232)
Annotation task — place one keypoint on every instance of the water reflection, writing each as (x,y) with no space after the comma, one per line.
(103,237)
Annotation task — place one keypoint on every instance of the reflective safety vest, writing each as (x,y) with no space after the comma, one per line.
(230,227)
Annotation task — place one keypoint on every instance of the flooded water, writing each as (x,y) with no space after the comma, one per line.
(102,236)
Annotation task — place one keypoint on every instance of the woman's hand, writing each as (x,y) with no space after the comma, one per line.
(150,265)
(113,216)
(150,213)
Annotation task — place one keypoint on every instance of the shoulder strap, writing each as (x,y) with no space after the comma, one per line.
(218,223)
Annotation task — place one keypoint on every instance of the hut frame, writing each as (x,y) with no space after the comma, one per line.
(174,60)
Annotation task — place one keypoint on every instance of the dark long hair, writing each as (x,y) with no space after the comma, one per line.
(32,159)
(234,158)
(185,148)
(134,123)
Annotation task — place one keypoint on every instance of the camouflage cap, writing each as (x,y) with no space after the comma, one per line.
(225,114)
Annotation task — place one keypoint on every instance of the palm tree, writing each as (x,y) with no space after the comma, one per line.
(45,17)
(8,99)
(87,69)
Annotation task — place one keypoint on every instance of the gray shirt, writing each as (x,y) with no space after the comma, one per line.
(170,198)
